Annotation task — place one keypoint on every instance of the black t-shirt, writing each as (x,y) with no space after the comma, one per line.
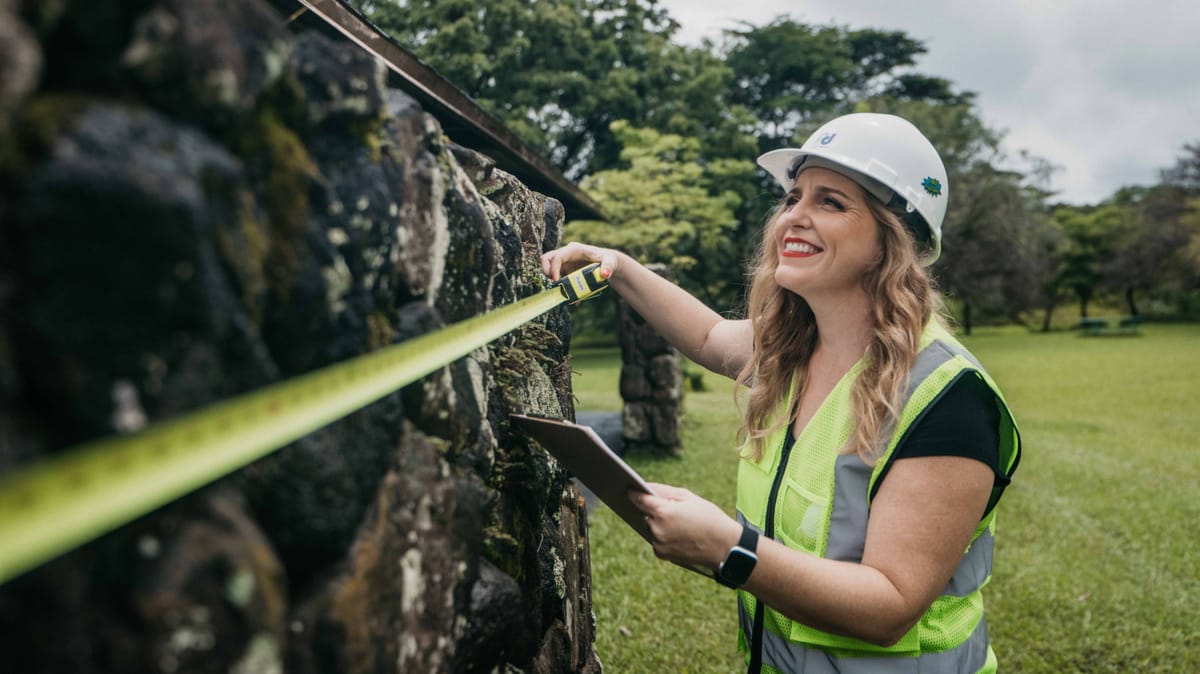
(964,421)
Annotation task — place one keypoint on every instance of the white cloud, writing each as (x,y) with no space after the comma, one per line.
(1108,90)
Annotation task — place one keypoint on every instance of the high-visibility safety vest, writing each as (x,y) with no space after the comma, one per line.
(817,500)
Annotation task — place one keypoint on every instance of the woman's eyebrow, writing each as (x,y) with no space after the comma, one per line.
(821,189)
(824,189)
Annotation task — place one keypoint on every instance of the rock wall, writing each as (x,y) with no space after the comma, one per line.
(651,384)
(196,200)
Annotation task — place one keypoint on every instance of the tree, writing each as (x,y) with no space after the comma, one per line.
(1149,249)
(788,73)
(666,205)
(1190,279)
(1185,174)
(1090,233)
(560,72)
(1154,253)
(996,242)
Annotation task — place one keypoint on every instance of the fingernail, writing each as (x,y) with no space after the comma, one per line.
(605,272)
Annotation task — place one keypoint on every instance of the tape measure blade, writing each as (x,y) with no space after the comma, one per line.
(404,363)
(77,496)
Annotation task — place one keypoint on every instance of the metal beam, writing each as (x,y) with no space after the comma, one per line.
(461,117)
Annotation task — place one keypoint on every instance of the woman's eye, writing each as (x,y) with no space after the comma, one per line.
(834,203)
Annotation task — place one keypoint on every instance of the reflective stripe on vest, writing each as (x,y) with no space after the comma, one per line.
(952,635)
(781,655)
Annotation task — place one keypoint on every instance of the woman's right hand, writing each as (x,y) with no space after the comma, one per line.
(576,255)
(706,337)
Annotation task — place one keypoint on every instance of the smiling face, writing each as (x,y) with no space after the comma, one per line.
(825,236)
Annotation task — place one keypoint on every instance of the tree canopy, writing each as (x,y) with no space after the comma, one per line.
(560,72)
(666,205)
(664,136)
(788,74)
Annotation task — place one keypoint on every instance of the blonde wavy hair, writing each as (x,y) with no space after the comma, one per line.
(785,336)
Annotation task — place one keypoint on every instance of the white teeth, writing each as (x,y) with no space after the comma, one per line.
(799,247)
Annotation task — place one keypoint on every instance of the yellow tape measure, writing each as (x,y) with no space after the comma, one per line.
(584,283)
(69,499)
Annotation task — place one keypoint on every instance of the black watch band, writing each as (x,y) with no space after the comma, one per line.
(740,561)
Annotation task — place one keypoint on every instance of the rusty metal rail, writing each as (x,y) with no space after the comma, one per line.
(461,117)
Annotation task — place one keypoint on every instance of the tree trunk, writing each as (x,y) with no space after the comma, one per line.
(966,318)
(1047,316)
(1133,310)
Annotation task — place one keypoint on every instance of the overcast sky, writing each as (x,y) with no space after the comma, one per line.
(1107,90)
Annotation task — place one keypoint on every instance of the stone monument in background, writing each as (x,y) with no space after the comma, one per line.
(651,384)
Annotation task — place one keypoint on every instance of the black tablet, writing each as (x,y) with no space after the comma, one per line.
(582,452)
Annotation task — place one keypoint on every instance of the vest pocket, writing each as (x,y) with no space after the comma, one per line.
(802,518)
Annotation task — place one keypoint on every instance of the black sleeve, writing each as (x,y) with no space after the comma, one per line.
(964,421)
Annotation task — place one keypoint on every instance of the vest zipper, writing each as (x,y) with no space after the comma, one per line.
(756,636)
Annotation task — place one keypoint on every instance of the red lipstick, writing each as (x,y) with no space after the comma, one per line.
(797,247)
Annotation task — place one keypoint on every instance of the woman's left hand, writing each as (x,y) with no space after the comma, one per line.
(685,528)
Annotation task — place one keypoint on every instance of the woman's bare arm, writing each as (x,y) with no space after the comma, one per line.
(717,343)
(921,522)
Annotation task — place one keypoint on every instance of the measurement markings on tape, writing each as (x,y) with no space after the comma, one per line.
(68,499)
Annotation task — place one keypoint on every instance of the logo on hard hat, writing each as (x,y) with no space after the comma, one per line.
(932,185)
(827,138)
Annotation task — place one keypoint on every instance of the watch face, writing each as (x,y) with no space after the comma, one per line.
(737,565)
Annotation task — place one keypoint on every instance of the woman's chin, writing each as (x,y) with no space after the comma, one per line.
(792,277)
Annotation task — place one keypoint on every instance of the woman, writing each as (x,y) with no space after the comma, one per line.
(874,446)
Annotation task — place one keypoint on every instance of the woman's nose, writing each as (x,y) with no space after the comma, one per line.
(797,215)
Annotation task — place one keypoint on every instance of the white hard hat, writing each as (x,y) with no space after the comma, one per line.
(888,157)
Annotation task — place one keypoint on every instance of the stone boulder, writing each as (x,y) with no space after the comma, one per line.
(197,201)
(651,384)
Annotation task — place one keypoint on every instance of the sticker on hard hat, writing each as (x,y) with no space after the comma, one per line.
(932,185)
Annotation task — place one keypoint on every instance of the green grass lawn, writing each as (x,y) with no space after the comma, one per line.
(1097,563)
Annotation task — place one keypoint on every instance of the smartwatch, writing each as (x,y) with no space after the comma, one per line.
(740,561)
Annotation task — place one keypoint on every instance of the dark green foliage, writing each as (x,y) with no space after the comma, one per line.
(559,72)
(1142,241)
(665,207)
(789,74)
